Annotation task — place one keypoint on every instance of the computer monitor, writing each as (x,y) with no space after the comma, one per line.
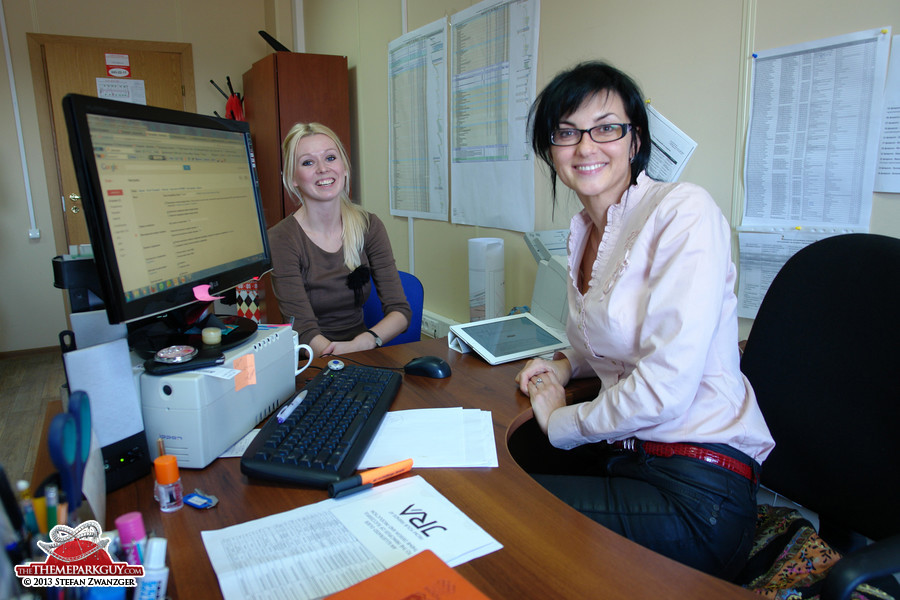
(172,204)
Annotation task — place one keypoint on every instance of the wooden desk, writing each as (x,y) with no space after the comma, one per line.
(549,549)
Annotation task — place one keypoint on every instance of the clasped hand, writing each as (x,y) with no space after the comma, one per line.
(544,382)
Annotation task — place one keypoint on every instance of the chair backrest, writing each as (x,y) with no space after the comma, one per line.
(415,295)
(822,357)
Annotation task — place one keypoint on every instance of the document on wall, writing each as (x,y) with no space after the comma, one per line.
(762,256)
(493,67)
(887,173)
(123,90)
(670,148)
(813,136)
(316,550)
(417,104)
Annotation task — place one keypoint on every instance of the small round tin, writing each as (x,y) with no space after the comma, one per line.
(176,354)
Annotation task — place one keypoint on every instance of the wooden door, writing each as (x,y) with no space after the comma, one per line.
(65,64)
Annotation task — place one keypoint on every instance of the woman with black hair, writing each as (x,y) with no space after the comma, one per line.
(324,253)
(668,454)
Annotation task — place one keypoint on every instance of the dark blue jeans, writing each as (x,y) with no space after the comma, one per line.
(697,513)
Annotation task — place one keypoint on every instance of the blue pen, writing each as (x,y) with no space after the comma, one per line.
(285,412)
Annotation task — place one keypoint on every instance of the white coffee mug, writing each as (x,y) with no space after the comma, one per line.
(309,352)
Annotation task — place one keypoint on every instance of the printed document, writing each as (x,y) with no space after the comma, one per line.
(670,147)
(316,550)
(887,172)
(417,104)
(813,135)
(762,256)
(493,68)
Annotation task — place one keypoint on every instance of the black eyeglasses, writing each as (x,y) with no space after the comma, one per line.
(608,132)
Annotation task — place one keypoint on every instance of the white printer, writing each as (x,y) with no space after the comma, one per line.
(198,415)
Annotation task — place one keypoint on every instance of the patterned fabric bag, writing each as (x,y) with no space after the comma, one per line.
(789,561)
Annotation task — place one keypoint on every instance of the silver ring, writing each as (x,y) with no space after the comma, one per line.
(539,380)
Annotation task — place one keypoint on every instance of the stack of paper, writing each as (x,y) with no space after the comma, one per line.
(316,550)
(434,437)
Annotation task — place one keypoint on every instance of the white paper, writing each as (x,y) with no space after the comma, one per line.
(762,256)
(105,373)
(434,437)
(670,148)
(237,449)
(316,550)
(417,104)
(220,372)
(813,134)
(887,171)
(123,90)
(94,483)
(92,328)
(492,77)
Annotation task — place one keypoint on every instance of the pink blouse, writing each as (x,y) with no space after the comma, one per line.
(658,326)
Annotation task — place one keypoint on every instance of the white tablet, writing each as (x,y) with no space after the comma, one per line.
(506,339)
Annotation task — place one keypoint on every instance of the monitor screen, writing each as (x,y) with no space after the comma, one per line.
(171,201)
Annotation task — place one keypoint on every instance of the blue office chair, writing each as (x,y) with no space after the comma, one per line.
(822,358)
(415,295)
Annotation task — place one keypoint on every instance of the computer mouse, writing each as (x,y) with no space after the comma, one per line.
(428,366)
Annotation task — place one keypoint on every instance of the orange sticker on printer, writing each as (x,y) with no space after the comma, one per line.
(246,365)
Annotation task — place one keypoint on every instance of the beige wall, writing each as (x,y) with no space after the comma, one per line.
(224,39)
(689,56)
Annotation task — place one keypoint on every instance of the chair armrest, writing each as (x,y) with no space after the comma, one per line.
(875,560)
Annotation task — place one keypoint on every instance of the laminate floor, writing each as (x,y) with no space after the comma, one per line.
(27,383)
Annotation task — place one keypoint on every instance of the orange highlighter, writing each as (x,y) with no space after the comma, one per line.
(366,479)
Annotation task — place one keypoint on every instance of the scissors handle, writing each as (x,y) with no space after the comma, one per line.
(63,441)
(69,439)
(80,408)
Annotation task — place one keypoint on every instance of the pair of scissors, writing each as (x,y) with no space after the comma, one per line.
(69,439)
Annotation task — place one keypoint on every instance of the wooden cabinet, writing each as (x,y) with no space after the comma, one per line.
(286,88)
(282,89)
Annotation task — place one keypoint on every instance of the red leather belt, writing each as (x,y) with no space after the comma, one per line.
(690,451)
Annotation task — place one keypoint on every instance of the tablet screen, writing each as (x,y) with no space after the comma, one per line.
(510,336)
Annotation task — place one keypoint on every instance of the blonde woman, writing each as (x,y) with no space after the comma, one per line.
(324,253)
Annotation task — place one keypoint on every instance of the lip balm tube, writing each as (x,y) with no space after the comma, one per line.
(132,537)
(211,336)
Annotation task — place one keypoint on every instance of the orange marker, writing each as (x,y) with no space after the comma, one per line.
(367,479)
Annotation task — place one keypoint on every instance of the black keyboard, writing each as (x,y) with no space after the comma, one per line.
(325,437)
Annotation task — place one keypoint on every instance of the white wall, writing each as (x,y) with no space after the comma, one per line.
(689,57)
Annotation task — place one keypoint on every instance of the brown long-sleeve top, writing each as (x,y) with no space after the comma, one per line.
(311,284)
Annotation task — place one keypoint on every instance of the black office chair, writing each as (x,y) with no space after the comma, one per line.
(823,359)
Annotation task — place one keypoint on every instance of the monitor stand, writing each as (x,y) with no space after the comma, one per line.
(183,328)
